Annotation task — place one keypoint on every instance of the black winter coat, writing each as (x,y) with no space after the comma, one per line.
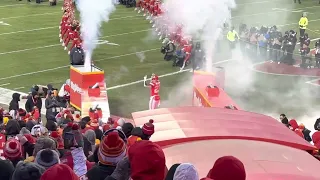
(100,172)
(31,102)
(14,104)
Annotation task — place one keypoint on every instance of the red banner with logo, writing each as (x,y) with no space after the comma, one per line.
(88,89)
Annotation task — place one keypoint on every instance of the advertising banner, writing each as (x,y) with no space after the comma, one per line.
(88,90)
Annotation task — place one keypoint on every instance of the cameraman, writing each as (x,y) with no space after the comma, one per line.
(168,49)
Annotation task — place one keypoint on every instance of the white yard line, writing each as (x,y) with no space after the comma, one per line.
(11,5)
(17,88)
(61,67)
(6,84)
(54,45)
(52,27)
(164,75)
(30,15)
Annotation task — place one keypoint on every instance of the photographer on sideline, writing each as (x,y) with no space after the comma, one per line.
(168,49)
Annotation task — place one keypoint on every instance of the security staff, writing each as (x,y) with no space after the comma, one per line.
(303,23)
(232,36)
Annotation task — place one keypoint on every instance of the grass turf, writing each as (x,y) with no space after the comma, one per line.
(31,44)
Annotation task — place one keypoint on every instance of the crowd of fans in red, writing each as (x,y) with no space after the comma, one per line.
(80,148)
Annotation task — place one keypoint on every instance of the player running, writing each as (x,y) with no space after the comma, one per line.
(154,91)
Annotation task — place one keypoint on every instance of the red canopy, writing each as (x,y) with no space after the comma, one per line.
(176,125)
(262,160)
(199,135)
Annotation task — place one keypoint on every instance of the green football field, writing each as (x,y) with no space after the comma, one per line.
(30,52)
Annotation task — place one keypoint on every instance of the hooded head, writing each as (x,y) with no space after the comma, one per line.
(16,97)
(147,161)
(227,168)
(27,171)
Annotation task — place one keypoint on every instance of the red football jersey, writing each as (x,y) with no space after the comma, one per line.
(155,89)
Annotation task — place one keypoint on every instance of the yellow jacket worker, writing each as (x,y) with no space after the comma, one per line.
(303,23)
(232,36)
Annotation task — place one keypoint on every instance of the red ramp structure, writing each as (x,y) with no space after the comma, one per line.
(202,133)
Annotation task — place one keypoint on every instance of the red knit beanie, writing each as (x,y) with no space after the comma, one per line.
(12,149)
(112,149)
(148,128)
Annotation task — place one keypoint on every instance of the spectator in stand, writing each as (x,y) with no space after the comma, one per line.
(153,164)
(27,142)
(147,130)
(52,105)
(13,151)
(306,132)
(59,171)
(6,169)
(47,158)
(12,127)
(72,139)
(112,150)
(171,171)
(127,129)
(33,101)
(42,143)
(284,120)
(91,137)
(227,168)
(14,104)
(184,171)
(27,171)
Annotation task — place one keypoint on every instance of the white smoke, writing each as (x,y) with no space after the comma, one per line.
(201,19)
(92,14)
(141,56)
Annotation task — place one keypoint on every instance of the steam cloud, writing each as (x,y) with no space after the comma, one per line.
(92,14)
(201,19)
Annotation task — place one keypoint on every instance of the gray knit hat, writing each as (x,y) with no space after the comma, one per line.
(27,171)
(47,158)
(44,143)
(24,131)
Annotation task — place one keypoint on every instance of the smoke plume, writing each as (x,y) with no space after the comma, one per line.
(92,14)
(201,19)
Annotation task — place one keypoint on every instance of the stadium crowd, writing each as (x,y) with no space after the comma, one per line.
(67,146)
(70,147)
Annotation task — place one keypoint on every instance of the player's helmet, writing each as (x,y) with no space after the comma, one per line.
(154,77)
